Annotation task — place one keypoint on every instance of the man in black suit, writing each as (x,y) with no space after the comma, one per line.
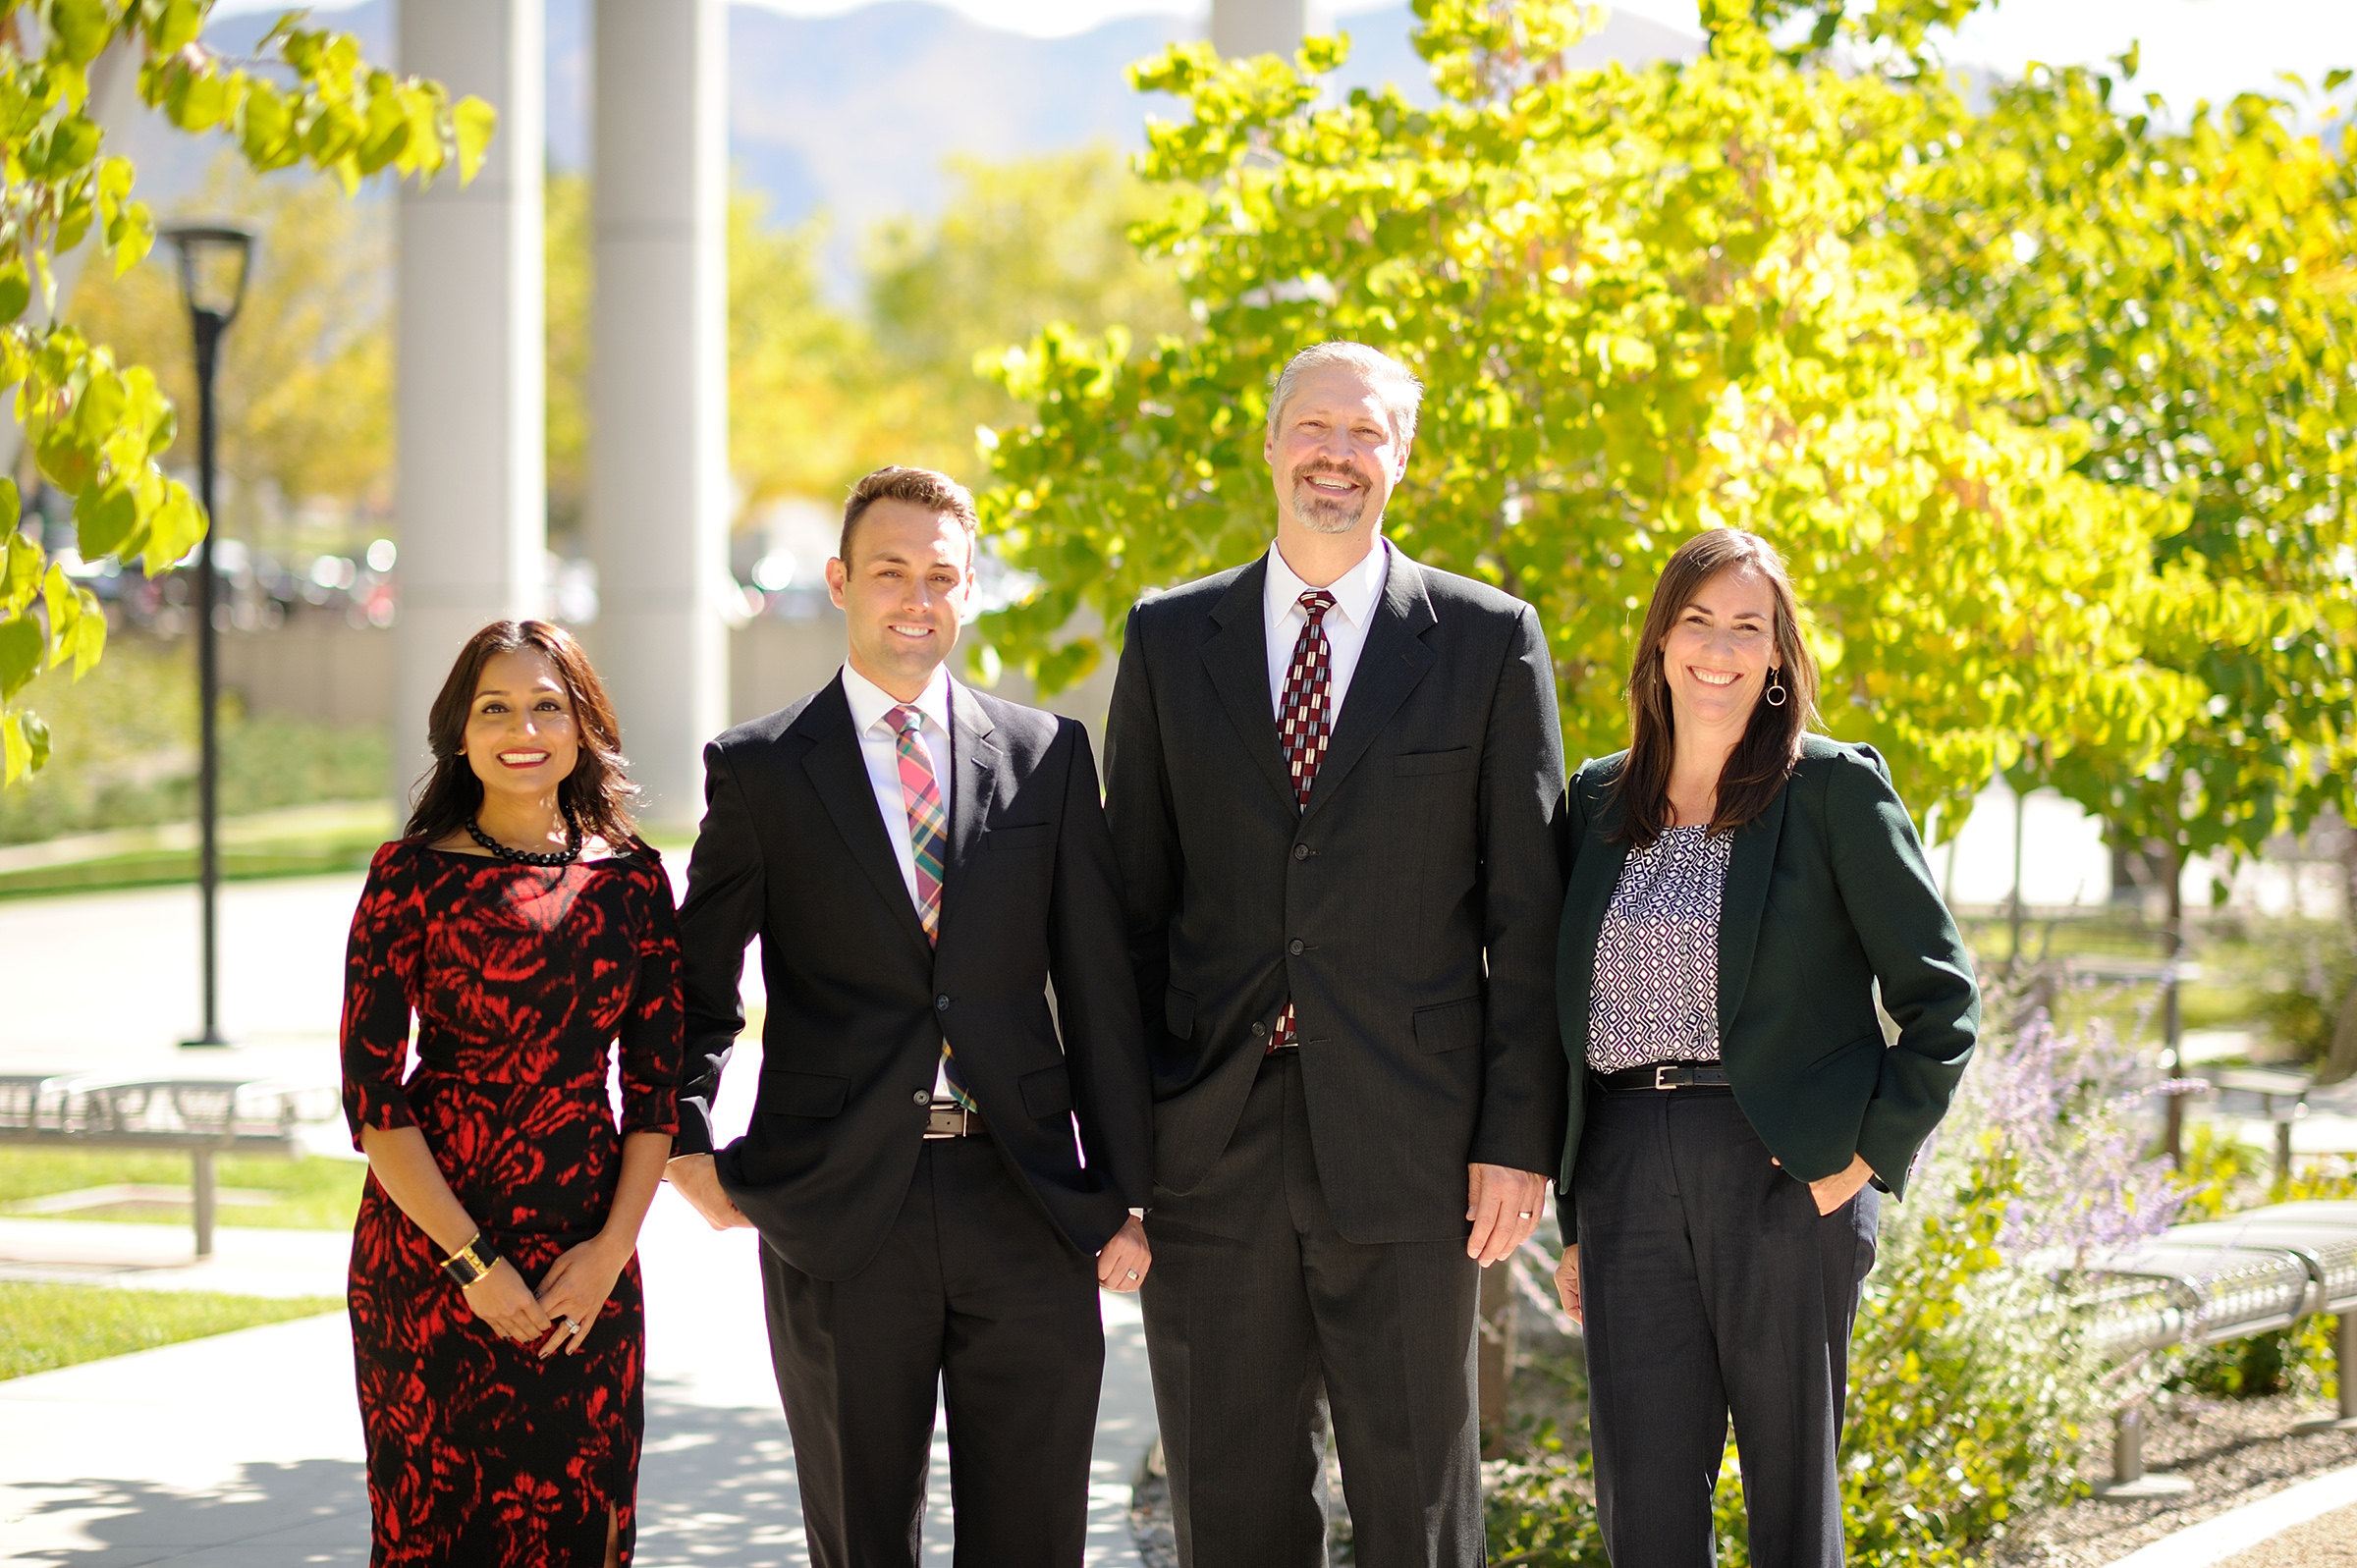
(941,1166)
(1335,784)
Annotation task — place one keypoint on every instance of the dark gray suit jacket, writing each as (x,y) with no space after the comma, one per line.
(792,849)
(1409,911)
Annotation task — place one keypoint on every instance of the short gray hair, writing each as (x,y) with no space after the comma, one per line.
(1396,384)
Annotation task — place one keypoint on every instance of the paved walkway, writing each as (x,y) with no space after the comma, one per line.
(244,1450)
(2329,1542)
(2309,1525)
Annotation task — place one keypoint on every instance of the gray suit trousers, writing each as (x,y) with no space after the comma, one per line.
(1265,1327)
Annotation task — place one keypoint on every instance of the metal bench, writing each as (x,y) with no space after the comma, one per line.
(2282,1101)
(202,1117)
(2210,1284)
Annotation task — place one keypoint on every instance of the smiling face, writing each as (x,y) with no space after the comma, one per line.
(904,592)
(521,741)
(1333,454)
(1719,650)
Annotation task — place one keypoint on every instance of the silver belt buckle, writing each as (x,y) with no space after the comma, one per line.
(1661,1075)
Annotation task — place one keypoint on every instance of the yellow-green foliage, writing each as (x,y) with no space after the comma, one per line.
(127,735)
(1645,303)
(96,426)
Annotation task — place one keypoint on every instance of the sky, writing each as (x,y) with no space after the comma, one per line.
(2191,48)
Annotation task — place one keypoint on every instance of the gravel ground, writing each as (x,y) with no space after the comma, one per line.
(2234,1451)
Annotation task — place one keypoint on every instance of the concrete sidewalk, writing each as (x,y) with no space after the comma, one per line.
(244,1450)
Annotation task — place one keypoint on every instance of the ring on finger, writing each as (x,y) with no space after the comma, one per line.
(571,1326)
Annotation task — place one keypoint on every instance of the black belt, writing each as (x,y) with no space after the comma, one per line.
(951,1121)
(1662,1075)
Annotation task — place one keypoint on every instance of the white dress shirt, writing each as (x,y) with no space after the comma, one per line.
(1356,593)
(880,749)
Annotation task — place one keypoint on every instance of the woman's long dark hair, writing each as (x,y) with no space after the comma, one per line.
(1763,759)
(595,796)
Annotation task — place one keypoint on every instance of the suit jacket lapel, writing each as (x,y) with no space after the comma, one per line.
(839,772)
(1594,875)
(975,767)
(1391,663)
(1750,865)
(1237,658)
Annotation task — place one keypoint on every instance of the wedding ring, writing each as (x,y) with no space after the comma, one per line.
(1525,1215)
(572,1328)
(1133,1274)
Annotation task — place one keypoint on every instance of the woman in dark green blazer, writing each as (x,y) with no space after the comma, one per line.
(1740,890)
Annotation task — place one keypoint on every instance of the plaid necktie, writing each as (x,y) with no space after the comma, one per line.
(1309,725)
(929,841)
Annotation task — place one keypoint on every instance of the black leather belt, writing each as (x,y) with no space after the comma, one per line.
(1662,1075)
(953,1121)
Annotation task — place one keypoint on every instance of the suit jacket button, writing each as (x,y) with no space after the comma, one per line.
(1300,851)
(941,1003)
(924,1096)
(1294,947)
(1260,1030)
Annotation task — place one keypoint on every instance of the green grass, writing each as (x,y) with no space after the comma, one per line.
(161,868)
(46,1327)
(313,1194)
(2217,1001)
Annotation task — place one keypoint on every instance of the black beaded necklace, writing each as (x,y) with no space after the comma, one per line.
(526,857)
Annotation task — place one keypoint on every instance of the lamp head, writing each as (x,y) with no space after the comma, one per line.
(215,260)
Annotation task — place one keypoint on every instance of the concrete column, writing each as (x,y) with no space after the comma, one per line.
(1240,27)
(473,478)
(659,455)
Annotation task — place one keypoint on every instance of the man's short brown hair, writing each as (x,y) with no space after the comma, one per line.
(919,487)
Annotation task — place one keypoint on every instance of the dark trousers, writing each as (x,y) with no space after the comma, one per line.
(1712,1286)
(1263,1325)
(975,1289)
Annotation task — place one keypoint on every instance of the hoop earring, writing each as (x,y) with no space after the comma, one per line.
(1776,688)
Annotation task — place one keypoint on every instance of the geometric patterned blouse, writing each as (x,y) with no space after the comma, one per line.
(1656,996)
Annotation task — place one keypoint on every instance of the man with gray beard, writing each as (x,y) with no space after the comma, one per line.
(1336,784)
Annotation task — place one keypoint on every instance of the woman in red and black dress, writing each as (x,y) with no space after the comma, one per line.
(496,1315)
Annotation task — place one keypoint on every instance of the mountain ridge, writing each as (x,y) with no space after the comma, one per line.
(856,115)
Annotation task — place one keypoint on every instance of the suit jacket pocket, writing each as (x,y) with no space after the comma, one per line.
(1179,1013)
(1030,836)
(1416,762)
(803,1094)
(1839,1055)
(1046,1093)
(1451,1026)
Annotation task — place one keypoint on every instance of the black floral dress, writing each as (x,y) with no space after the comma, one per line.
(519,978)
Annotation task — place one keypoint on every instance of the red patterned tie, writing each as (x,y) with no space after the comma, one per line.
(1308,726)
(929,842)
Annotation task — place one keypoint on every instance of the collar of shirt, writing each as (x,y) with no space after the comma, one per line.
(870,702)
(1355,592)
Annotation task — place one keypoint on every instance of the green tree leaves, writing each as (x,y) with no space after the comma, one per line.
(2185,297)
(1749,290)
(98,429)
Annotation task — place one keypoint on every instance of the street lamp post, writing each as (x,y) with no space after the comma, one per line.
(214,261)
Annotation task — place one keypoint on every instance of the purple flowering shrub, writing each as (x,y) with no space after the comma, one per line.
(1972,1384)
